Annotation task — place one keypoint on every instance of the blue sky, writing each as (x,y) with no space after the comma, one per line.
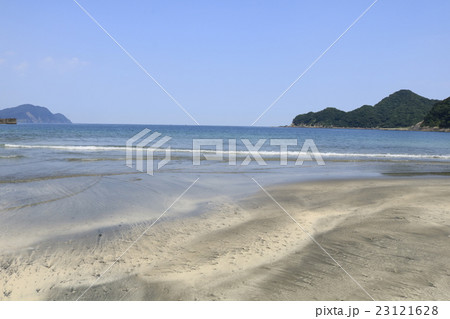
(224,61)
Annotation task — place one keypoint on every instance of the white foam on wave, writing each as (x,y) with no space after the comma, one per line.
(70,147)
(387,155)
(290,154)
(10,156)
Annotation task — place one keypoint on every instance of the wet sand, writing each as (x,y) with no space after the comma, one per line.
(390,235)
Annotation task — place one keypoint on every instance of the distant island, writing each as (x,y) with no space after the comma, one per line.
(403,109)
(28,113)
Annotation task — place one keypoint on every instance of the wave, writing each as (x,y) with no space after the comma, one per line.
(387,155)
(11,156)
(98,159)
(290,154)
(69,147)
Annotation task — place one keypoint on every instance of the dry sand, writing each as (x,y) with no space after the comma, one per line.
(391,235)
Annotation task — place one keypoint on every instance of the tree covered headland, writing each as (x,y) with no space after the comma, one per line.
(439,115)
(403,108)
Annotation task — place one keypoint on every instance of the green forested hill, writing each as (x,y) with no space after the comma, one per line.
(403,108)
(439,115)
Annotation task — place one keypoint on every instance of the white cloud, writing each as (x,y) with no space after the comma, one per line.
(2,61)
(76,62)
(9,53)
(21,67)
(61,65)
(47,61)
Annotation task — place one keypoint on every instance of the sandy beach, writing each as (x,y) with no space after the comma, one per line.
(390,235)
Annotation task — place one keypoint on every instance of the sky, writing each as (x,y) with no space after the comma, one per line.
(225,62)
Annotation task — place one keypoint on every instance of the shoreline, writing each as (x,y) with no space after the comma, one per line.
(411,129)
(391,234)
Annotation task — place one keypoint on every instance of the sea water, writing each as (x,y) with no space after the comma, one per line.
(43,149)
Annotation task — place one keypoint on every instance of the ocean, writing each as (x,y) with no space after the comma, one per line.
(48,149)
(67,180)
